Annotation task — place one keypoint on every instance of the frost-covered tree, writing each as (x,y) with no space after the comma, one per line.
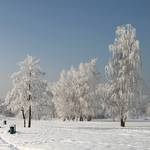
(3,109)
(87,79)
(102,109)
(74,93)
(29,90)
(42,106)
(123,70)
(63,96)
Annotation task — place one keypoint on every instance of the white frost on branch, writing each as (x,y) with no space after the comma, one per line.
(74,93)
(123,70)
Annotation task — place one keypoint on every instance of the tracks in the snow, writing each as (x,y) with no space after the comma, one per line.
(6,146)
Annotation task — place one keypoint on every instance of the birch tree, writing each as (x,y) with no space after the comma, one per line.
(123,70)
(74,92)
(29,89)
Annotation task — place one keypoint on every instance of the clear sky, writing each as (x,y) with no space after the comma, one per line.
(63,33)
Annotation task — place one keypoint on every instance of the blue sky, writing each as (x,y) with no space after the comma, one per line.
(63,33)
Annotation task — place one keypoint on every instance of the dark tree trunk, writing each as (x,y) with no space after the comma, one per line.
(24,118)
(81,118)
(89,118)
(73,118)
(29,123)
(122,122)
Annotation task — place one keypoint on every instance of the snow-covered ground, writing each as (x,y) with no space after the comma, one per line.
(57,135)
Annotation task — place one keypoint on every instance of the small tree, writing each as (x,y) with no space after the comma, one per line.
(123,70)
(29,89)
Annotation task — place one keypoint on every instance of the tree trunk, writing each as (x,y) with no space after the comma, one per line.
(81,118)
(89,118)
(29,123)
(122,122)
(24,118)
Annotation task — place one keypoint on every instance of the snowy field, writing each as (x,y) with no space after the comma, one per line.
(57,135)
